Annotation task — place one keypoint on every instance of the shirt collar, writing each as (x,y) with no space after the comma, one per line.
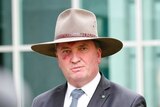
(91,85)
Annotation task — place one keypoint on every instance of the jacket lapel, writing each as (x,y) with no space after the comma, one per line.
(101,94)
(60,95)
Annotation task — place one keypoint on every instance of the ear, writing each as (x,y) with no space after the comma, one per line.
(99,52)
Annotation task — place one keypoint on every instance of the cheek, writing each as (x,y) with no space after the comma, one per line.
(93,60)
(64,57)
(63,66)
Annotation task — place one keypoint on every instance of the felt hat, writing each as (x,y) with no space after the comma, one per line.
(77,25)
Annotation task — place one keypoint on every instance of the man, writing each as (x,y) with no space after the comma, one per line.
(79,50)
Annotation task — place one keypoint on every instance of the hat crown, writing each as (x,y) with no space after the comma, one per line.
(76,23)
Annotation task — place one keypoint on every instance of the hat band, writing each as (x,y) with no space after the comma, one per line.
(75,35)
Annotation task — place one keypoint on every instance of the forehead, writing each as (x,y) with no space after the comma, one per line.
(76,43)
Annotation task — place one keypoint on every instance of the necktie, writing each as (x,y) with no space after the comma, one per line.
(76,94)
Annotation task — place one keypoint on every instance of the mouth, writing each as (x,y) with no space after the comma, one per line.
(76,69)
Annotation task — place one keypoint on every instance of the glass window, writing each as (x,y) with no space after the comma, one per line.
(41,73)
(151,20)
(122,68)
(152,75)
(118,22)
(100,10)
(39,18)
(5,22)
(6,61)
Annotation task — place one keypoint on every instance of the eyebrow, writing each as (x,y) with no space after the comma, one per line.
(64,47)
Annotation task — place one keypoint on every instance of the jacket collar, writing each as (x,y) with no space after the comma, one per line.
(101,94)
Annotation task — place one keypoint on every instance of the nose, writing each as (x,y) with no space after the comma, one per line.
(75,58)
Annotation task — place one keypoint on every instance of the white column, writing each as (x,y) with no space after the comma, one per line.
(139,47)
(75,3)
(16,34)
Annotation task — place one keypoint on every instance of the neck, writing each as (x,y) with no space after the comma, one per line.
(81,83)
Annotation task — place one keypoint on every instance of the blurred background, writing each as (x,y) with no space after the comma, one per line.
(135,22)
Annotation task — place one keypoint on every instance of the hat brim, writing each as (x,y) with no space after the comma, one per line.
(109,46)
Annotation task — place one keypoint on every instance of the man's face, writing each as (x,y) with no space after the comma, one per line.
(79,61)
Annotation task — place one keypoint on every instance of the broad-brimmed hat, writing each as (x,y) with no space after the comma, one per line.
(77,25)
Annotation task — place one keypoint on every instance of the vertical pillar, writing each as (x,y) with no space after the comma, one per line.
(16,34)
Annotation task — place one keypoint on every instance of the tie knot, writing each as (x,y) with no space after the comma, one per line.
(77,93)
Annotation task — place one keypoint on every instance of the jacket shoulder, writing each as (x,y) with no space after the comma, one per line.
(124,96)
(119,90)
(45,97)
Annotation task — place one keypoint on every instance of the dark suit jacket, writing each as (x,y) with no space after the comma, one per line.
(107,94)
